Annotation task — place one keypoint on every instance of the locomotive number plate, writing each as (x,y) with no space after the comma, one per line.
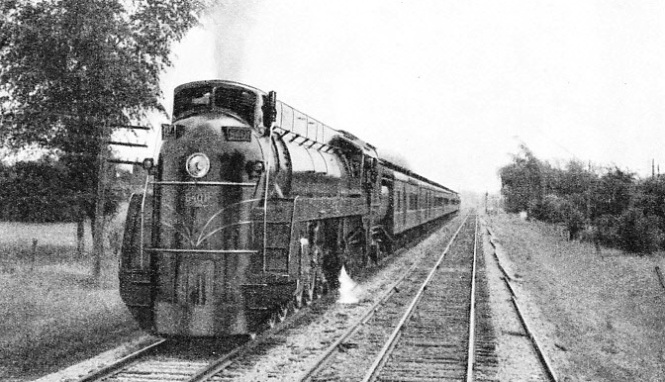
(198,198)
(240,134)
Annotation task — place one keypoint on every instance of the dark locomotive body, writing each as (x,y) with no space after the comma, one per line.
(254,208)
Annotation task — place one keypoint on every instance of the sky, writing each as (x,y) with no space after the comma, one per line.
(454,86)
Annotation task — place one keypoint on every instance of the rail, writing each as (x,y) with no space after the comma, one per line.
(472,310)
(117,365)
(534,340)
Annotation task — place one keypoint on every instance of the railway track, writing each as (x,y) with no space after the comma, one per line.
(167,361)
(431,339)
(152,363)
(543,371)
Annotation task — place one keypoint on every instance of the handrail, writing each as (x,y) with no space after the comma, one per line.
(141,242)
(305,138)
(292,234)
(179,183)
(265,206)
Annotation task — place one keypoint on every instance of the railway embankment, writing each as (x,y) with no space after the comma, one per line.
(600,315)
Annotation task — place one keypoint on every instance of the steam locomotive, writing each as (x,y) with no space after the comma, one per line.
(252,209)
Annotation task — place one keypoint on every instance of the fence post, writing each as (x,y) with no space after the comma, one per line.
(34,253)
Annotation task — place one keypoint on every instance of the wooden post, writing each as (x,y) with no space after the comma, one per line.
(80,235)
(98,239)
(33,253)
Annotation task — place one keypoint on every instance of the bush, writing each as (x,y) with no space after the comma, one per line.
(46,191)
(639,232)
(35,192)
(573,218)
(608,227)
(550,209)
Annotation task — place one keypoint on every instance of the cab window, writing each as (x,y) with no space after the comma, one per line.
(237,100)
(191,100)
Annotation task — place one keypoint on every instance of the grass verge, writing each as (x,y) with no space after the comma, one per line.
(607,308)
(53,315)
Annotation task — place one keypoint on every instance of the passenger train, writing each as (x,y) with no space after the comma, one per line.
(252,209)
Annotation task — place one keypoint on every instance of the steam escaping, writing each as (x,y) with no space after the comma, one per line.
(348,289)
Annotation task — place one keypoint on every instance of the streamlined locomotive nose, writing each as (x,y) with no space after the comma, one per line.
(210,183)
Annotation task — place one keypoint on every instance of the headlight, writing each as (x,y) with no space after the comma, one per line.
(198,165)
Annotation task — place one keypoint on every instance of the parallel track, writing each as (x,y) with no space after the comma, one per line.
(547,373)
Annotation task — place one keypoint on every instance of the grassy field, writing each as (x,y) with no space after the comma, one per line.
(607,309)
(51,312)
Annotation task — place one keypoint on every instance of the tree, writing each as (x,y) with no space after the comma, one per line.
(70,70)
(31,192)
(522,182)
(613,193)
(639,232)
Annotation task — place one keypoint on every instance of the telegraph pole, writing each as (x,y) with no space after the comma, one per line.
(486,197)
(103,160)
(98,239)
